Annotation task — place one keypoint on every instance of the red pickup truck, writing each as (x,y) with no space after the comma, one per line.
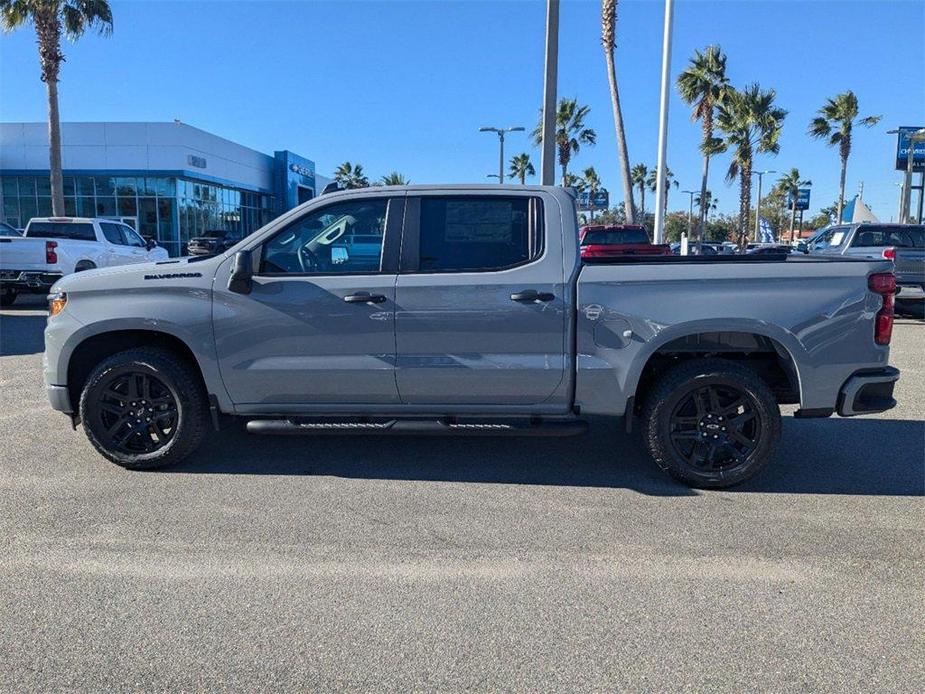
(605,241)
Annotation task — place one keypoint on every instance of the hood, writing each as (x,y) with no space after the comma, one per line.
(137,275)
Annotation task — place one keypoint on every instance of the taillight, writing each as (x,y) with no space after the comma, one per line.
(884,284)
(51,255)
(889,253)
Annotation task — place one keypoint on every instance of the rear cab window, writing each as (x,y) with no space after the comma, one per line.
(478,233)
(614,237)
(82,231)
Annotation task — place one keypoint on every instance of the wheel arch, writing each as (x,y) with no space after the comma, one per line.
(772,352)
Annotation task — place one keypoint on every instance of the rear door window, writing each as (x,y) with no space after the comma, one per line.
(478,234)
(82,231)
(912,236)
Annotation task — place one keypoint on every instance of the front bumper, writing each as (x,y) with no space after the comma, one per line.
(868,392)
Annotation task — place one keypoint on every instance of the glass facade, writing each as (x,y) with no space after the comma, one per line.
(172,210)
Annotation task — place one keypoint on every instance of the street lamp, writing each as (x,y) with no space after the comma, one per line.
(690,212)
(914,136)
(501,131)
(550,79)
(760,175)
(661,197)
(492,176)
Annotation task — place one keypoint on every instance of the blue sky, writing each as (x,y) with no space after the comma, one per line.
(405,85)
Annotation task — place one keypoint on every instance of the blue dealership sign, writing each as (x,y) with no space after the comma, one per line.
(600,201)
(902,150)
(802,199)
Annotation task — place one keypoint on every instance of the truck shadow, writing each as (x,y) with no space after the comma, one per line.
(835,456)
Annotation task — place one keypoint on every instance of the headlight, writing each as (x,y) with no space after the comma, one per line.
(56,303)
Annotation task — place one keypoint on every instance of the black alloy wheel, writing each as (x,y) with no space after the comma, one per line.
(138,413)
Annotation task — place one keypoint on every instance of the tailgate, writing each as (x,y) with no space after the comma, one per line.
(22,254)
(910,266)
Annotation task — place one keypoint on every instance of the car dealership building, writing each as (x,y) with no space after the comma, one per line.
(170,181)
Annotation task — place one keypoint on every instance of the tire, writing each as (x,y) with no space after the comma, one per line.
(173,401)
(8,297)
(698,417)
(84,265)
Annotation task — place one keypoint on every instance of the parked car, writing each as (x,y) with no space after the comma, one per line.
(8,230)
(904,244)
(770,249)
(212,242)
(476,317)
(52,247)
(605,241)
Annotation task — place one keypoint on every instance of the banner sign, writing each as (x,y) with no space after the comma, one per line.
(902,150)
(802,199)
(601,200)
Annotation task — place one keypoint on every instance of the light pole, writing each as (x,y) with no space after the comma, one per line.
(660,197)
(915,136)
(690,211)
(902,196)
(550,77)
(501,131)
(492,176)
(760,175)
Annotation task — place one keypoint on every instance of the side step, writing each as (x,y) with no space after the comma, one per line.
(428,427)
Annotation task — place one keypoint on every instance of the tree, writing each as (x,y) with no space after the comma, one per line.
(573,181)
(640,174)
(790,185)
(521,167)
(707,202)
(652,183)
(351,176)
(571,132)
(392,179)
(609,41)
(703,86)
(50,18)
(835,121)
(752,124)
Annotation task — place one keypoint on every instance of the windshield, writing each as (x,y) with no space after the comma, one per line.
(614,237)
(7,230)
(62,230)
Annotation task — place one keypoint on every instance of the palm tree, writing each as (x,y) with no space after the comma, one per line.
(592,184)
(707,202)
(50,18)
(835,121)
(392,179)
(790,185)
(703,86)
(351,176)
(752,125)
(571,132)
(573,181)
(652,183)
(640,174)
(521,167)
(609,41)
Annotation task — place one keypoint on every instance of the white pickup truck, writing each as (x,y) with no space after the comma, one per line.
(52,247)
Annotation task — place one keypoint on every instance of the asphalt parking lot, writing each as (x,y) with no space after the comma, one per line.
(413,564)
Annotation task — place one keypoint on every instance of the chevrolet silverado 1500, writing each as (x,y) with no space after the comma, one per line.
(466,310)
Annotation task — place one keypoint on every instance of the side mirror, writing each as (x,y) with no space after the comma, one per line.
(150,244)
(802,247)
(242,270)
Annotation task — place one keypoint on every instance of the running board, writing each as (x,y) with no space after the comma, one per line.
(429,427)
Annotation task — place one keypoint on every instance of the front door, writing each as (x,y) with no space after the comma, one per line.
(318,325)
(480,306)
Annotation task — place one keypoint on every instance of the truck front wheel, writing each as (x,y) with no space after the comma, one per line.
(711,423)
(144,408)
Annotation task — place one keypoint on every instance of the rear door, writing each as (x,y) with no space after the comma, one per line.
(480,307)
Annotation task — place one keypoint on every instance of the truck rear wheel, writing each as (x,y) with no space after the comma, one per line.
(711,423)
(144,408)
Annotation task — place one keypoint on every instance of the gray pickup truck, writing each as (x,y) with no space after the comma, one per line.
(466,310)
